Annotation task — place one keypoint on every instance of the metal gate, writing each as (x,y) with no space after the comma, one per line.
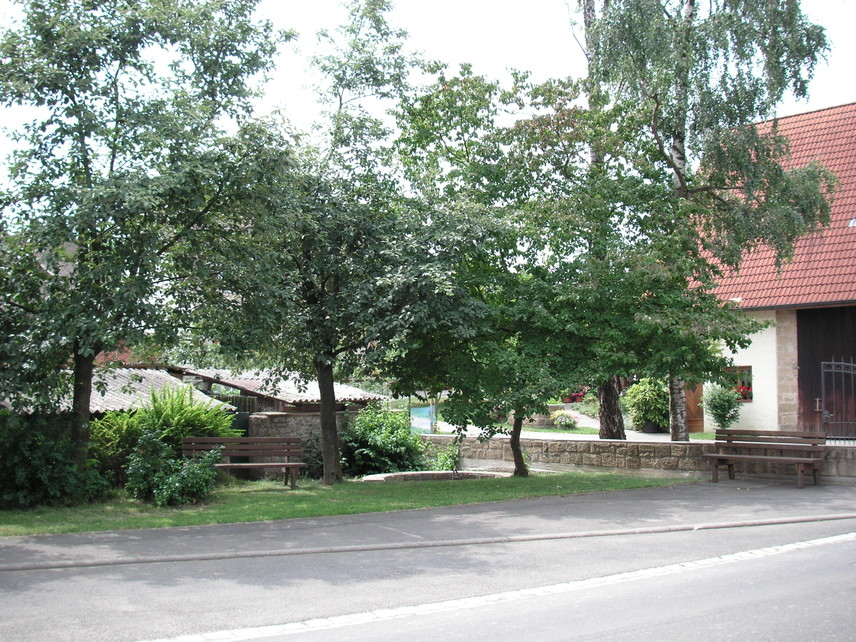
(838,398)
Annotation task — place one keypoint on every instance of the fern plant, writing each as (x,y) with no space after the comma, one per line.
(173,414)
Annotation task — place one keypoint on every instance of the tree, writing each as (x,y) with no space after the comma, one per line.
(124,161)
(338,265)
(704,73)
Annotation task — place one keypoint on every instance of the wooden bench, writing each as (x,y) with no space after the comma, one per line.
(806,450)
(288,449)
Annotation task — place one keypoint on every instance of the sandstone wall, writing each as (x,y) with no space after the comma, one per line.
(631,456)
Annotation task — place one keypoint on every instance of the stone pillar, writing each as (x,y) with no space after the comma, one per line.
(787,372)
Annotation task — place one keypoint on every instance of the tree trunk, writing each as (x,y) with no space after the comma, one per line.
(678,409)
(520,469)
(611,420)
(329,431)
(84,369)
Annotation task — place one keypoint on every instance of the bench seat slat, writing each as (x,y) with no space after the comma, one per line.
(783,458)
(287,449)
(806,450)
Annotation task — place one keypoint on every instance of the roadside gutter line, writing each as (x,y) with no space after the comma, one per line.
(394,546)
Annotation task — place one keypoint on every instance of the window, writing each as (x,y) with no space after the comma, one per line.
(743,381)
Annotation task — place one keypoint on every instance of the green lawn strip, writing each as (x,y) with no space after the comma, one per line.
(581,430)
(702,436)
(263,501)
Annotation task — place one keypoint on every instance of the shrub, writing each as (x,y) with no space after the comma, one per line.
(563,419)
(380,441)
(313,457)
(112,439)
(448,458)
(37,466)
(191,481)
(155,475)
(173,414)
(150,462)
(722,404)
(648,401)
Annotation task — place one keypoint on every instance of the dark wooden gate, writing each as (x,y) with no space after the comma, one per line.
(838,398)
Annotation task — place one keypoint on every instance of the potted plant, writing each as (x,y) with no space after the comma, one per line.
(648,405)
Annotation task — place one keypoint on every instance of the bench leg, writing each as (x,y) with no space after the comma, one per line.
(800,475)
(816,474)
(293,473)
(730,471)
(714,471)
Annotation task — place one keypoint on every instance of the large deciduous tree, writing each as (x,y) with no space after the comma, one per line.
(123,160)
(340,267)
(703,73)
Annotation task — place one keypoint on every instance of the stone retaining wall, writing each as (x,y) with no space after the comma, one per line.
(632,456)
(306,425)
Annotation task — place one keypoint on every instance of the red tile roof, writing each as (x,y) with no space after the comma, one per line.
(823,271)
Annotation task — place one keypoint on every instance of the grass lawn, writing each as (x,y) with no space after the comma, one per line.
(262,501)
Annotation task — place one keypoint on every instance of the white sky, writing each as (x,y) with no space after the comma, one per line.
(495,36)
(532,35)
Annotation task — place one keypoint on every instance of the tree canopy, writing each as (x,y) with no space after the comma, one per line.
(124,159)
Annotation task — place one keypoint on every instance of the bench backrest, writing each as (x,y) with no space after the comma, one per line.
(288,447)
(782,439)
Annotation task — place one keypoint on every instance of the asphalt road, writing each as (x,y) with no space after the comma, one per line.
(694,561)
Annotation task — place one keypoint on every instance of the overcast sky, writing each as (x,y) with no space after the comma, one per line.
(532,35)
(495,36)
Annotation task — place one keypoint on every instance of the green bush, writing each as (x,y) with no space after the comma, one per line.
(37,466)
(448,458)
(648,401)
(722,404)
(173,414)
(155,475)
(313,457)
(111,441)
(380,441)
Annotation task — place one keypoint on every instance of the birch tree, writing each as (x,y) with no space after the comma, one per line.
(704,73)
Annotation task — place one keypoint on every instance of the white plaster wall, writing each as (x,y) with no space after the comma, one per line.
(762,413)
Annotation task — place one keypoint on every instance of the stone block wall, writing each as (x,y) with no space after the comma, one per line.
(305,425)
(633,456)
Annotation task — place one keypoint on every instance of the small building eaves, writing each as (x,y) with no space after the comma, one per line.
(291,391)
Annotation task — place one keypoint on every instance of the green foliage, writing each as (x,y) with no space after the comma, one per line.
(723,404)
(380,441)
(111,441)
(448,458)
(563,419)
(589,405)
(125,161)
(173,414)
(37,466)
(648,401)
(191,481)
(313,458)
(155,475)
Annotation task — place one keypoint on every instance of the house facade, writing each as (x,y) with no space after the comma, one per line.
(799,373)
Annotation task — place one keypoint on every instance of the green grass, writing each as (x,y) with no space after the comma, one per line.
(702,436)
(580,430)
(263,501)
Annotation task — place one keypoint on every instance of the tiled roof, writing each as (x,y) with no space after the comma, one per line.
(291,391)
(823,270)
(127,388)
